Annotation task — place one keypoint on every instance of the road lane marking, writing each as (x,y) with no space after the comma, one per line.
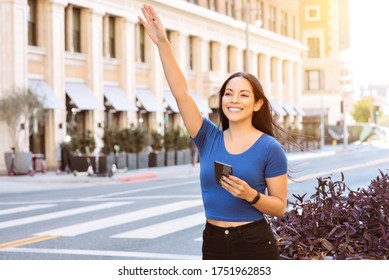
(339,170)
(25,208)
(142,189)
(132,216)
(59,214)
(26,241)
(164,228)
(112,254)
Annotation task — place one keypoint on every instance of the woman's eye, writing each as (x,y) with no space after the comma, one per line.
(228,94)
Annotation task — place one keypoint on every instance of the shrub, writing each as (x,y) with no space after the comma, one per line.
(333,224)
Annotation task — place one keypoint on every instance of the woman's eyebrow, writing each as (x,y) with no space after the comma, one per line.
(242,90)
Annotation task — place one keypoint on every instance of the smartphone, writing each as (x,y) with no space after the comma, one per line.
(221,169)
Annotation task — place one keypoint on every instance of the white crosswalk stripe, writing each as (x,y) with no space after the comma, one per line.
(86,227)
(25,209)
(59,214)
(161,229)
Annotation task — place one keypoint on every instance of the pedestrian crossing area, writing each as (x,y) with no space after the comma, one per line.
(168,222)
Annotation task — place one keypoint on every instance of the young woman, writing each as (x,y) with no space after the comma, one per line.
(235,206)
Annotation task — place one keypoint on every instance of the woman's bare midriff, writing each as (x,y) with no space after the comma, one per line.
(226,224)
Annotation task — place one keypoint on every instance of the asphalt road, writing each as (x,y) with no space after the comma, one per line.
(158,219)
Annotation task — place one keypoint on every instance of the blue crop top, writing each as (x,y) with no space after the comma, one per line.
(264,159)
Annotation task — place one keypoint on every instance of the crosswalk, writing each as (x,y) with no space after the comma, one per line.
(168,225)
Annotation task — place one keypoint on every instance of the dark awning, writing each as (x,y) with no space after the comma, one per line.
(83,97)
(170,100)
(41,89)
(118,99)
(148,100)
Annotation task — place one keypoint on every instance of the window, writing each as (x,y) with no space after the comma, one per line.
(272,19)
(314,47)
(312,13)
(215,7)
(32,25)
(259,14)
(312,80)
(211,68)
(111,37)
(284,23)
(191,52)
(77,30)
(229,59)
(142,46)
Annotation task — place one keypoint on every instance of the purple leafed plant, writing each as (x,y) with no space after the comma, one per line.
(337,223)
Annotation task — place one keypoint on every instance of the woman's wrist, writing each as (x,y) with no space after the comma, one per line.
(254,198)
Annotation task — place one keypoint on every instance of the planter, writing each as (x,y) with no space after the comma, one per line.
(143,160)
(121,161)
(131,161)
(187,159)
(80,163)
(170,158)
(180,157)
(22,162)
(156,159)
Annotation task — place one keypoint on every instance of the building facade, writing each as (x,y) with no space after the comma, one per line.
(95,64)
(327,77)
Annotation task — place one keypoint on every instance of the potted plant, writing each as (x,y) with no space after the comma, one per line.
(135,141)
(81,146)
(182,151)
(156,157)
(17,108)
(169,146)
(335,224)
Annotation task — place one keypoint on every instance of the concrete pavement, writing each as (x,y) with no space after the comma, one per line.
(52,180)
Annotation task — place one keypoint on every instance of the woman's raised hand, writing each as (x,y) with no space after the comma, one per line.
(152,24)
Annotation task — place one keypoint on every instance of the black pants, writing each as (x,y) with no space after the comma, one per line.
(253,241)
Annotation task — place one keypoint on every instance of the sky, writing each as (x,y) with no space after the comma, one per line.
(369,41)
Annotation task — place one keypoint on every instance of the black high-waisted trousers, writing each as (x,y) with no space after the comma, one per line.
(253,241)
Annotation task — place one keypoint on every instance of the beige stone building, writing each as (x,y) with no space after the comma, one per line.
(98,68)
(327,77)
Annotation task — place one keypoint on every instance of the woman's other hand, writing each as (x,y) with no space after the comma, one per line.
(152,24)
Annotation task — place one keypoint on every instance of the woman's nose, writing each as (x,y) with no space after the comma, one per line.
(235,97)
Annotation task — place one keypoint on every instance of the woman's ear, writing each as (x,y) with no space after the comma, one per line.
(258,105)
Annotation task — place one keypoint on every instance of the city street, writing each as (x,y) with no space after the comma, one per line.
(156,218)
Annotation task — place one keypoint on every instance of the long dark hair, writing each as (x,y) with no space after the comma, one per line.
(262,119)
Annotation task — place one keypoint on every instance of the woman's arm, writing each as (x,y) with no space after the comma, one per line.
(188,109)
(273,204)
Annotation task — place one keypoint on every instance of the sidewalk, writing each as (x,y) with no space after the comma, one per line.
(51,180)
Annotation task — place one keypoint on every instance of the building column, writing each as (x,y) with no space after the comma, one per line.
(13,58)
(279,80)
(93,31)
(266,74)
(13,46)
(55,59)
(126,50)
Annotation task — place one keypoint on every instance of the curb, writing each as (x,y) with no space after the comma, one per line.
(139,177)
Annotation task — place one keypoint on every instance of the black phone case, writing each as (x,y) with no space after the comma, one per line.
(221,169)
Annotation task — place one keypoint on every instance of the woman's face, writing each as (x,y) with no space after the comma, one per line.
(238,102)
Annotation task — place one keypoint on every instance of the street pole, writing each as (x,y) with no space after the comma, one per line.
(344,90)
(321,120)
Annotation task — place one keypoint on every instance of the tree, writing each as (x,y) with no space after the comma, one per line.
(17,107)
(361,110)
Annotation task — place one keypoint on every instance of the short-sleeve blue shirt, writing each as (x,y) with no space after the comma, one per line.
(264,159)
